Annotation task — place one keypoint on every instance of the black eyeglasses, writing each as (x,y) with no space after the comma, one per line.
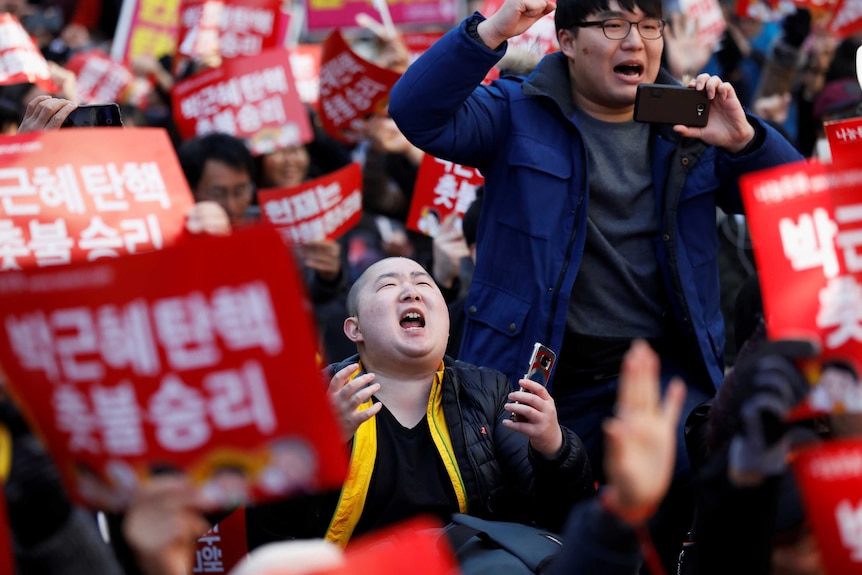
(618,29)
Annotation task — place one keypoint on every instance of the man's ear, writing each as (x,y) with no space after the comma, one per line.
(352,329)
(566,39)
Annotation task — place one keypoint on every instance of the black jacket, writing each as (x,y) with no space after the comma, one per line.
(504,478)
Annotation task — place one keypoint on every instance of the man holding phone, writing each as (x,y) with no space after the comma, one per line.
(595,229)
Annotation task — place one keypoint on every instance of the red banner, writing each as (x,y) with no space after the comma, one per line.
(324,208)
(806,226)
(234,29)
(845,138)
(350,89)
(100,80)
(20,58)
(829,475)
(846,19)
(174,360)
(252,98)
(442,187)
(87,193)
(223,546)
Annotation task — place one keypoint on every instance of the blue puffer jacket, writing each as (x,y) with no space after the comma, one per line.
(523,135)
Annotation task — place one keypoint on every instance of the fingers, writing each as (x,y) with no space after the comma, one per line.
(639,379)
(674,399)
(46,113)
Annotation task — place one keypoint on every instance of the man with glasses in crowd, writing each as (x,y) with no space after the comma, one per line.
(595,229)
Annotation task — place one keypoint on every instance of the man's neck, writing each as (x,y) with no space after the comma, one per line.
(406,397)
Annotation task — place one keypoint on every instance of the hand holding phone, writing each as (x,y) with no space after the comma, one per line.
(667,104)
(94,115)
(539,368)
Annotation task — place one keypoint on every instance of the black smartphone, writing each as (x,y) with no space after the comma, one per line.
(666,104)
(94,115)
(539,367)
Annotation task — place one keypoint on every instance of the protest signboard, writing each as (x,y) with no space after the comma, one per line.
(87,193)
(324,208)
(250,97)
(327,14)
(829,475)
(442,187)
(199,358)
(845,138)
(305,66)
(230,29)
(146,28)
(223,546)
(21,61)
(805,220)
(100,80)
(350,89)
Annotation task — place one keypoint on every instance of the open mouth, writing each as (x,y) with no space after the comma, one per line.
(412,319)
(629,69)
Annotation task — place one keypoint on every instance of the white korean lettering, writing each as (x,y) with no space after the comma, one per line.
(849,520)
(12,245)
(850,240)
(74,417)
(59,188)
(185,331)
(33,343)
(840,309)
(179,414)
(75,334)
(240,398)
(15,184)
(244,318)
(126,338)
(810,242)
(120,421)
(100,239)
(50,242)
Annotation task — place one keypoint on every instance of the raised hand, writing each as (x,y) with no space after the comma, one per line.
(346,395)
(514,17)
(537,417)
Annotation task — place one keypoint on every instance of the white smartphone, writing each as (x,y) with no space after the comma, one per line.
(539,367)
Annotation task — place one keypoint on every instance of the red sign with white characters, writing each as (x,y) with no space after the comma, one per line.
(845,138)
(231,29)
(442,187)
(350,89)
(324,208)
(806,226)
(305,65)
(252,97)
(20,58)
(829,475)
(199,358)
(223,546)
(88,193)
(100,79)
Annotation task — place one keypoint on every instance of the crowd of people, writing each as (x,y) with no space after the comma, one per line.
(660,442)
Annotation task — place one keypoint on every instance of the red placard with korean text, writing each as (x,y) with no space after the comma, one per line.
(324,208)
(442,187)
(199,358)
(829,475)
(20,58)
(805,220)
(327,14)
(251,97)
(230,29)
(845,138)
(846,18)
(350,89)
(88,193)
(146,28)
(223,546)
(100,79)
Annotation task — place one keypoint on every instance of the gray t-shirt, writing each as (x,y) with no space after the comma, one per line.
(618,291)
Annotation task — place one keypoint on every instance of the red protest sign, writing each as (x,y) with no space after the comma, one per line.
(845,138)
(100,79)
(829,475)
(324,208)
(88,193)
(806,226)
(350,89)
(251,97)
(234,29)
(223,546)
(442,187)
(328,14)
(846,18)
(174,360)
(20,58)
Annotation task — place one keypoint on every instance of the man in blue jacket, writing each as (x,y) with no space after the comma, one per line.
(595,229)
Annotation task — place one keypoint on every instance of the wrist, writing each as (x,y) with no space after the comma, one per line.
(631,514)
